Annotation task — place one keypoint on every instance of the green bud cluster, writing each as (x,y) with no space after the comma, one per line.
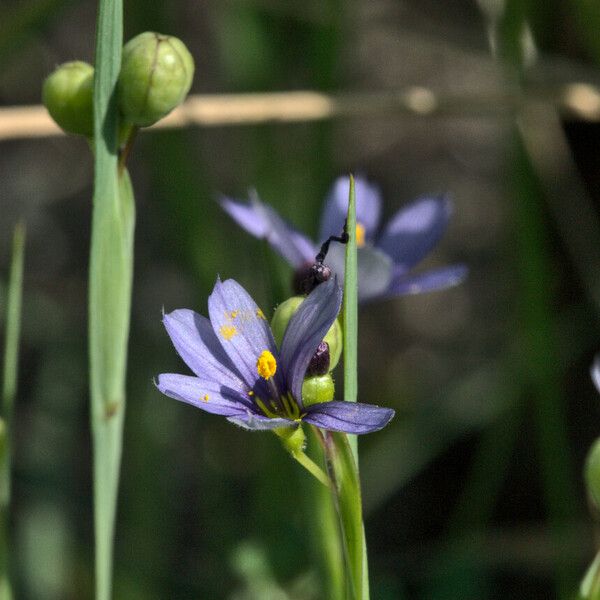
(318,388)
(156,76)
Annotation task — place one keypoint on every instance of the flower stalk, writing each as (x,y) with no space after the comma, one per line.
(9,391)
(110,280)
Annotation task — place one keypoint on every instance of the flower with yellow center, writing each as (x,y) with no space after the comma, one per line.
(242,375)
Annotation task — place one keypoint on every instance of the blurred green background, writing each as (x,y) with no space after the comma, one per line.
(474,491)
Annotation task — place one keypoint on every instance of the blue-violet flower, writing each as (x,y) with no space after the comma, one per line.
(385,261)
(241,374)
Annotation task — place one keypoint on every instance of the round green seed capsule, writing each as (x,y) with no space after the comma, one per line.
(318,389)
(68,93)
(281,318)
(156,75)
(592,472)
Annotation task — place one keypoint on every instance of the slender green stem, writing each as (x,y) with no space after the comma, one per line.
(326,529)
(9,392)
(539,354)
(313,468)
(111,271)
(350,311)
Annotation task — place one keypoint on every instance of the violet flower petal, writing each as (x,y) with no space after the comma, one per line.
(258,422)
(374,269)
(242,329)
(195,341)
(403,284)
(210,396)
(368,207)
(263,222)
(306,331)
(245,216)
(292,245)
(349,417)
(595,372)
(415,230)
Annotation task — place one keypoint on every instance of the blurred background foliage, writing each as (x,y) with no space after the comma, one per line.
(475,489)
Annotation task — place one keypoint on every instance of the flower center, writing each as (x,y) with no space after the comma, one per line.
(266,365)
(360,235)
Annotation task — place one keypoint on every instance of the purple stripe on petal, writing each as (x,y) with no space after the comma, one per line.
(195,341)
(349,417)
(368,207)
(256,422)
(415,230)
(595,372)
(209,396)
(245,216)
(306,330)
(241,327)
(429,281)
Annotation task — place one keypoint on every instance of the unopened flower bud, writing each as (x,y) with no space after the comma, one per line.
(156,75)
(317,389)
(281,318)
(592,473)
(68,94)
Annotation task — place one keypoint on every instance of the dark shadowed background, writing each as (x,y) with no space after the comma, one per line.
(474,490)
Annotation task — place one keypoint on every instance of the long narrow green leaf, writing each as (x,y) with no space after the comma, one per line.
(350,311)
(349,506)
(345,463)
(9,392)
(111,271)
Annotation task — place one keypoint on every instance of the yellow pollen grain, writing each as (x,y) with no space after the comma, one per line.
(233,314)
(260,314)
(228,331)
(266,365)
(205,397)
(250,393)
(360,235)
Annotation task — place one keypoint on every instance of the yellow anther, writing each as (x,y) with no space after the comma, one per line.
(228,331)
(233,314)
(260,314)
(360,235)
(266,365)
(205,397)
(250,393)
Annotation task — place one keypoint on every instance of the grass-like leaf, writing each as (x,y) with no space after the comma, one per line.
(9,392)
(111,271)
(350,310)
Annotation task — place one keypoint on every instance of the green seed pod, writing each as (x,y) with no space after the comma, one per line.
(318,389)
(281,318)
(156,75)
(592,473)
(68,94)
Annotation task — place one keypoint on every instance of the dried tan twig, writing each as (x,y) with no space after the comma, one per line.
(579,99)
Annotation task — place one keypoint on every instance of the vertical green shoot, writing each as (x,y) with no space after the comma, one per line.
(9,391)
(111,269)
(350,311)
(341,449)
